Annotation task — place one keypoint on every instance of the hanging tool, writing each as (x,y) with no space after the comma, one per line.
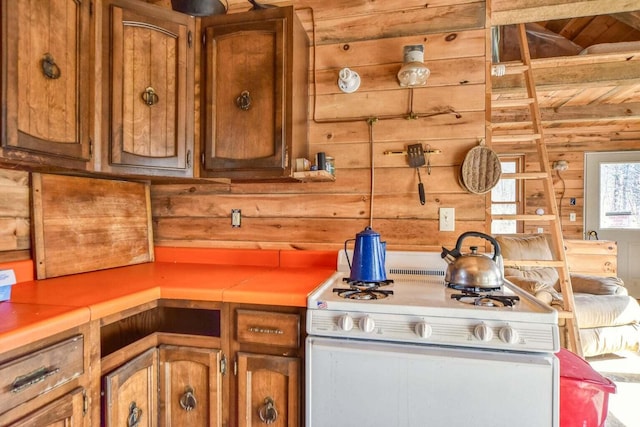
(415,152)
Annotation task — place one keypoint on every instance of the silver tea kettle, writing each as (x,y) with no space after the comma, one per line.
(473,270)
(368,257)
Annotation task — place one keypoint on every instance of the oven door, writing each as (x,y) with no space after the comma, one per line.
(378,384)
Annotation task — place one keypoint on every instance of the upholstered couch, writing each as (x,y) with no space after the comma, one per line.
(608,318)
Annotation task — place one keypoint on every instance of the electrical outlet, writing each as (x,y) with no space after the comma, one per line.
(236,218)
(447,219)
(572,216)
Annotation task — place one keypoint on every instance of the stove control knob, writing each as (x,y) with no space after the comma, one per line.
(509,335)
(423,330)
(345,322)
(483,332)
(367,324)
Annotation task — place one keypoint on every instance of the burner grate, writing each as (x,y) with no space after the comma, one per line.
(361,285)
(363,294)
(486,300)
(472,289)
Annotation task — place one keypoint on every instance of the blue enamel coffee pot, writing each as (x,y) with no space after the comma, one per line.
(368,257)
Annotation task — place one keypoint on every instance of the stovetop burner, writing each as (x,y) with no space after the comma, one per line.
(486,299)
(363,294)
(360,285)
(359,290)
(465,288)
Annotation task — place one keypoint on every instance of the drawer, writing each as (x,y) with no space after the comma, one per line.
(268,328)
(40,371)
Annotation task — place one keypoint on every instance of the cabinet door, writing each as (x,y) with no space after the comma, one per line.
(47,73)
(255,82)
(131,392)
(268,390)
(66,411)
(244,90)
(191,387)
(150,89)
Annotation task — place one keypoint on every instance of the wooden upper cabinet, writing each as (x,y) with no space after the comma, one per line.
(149,104)
(46,67)
(255,81)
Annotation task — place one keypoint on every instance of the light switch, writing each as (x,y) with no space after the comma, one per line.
(572,216)
(447,219)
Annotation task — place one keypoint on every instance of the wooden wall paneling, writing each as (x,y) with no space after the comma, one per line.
(516,11)
(309,233)
(15,235)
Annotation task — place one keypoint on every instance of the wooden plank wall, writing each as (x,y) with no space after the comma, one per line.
(367,37)
(14,215)
(323,215)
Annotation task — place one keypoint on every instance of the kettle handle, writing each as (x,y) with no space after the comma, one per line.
(346,254)
(496,246)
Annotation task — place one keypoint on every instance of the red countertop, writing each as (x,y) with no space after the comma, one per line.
(39,308)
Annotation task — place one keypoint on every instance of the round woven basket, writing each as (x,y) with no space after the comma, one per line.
(480,170)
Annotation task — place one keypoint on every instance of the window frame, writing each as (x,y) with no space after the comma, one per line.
(519,193)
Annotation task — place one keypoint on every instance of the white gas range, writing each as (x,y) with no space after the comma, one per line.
(407,353)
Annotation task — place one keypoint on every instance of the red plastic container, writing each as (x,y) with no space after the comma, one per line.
(584,393)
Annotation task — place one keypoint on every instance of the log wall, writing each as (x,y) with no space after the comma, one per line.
(367,37)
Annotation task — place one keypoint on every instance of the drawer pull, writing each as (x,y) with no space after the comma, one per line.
(268,413)
(24,381)
(188,400)
(265,330)
(135,414)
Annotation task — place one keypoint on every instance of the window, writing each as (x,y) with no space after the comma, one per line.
(506,197)
(620,195)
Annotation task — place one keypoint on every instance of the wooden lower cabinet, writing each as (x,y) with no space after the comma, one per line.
(268,390)
(131,392)
(190,387)
(166,386)
(46,383)
(66,411)
(201,364)
(268,352)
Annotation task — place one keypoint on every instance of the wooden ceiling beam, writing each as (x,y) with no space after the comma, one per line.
(599,113)
(562,77)
(632,19)
(506,12)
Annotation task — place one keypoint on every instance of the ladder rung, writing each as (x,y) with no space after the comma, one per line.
(525,175)
(533,263)
(515,138)
(564,314)
(547,217)
(511,103)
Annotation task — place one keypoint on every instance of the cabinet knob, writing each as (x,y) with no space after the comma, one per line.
(243,101)
(135,414)
(268,413)
(149,96)
(49,67)
(188,400)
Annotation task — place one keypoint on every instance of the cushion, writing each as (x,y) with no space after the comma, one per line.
(527,247)
(596,341)
(597,285)
(593,311)
(539,289)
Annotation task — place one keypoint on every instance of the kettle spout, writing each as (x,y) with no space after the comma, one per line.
(450,255)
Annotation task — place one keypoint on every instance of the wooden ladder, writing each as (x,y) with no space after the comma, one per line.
(550,216)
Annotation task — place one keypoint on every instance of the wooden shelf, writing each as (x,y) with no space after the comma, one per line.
(314,176)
